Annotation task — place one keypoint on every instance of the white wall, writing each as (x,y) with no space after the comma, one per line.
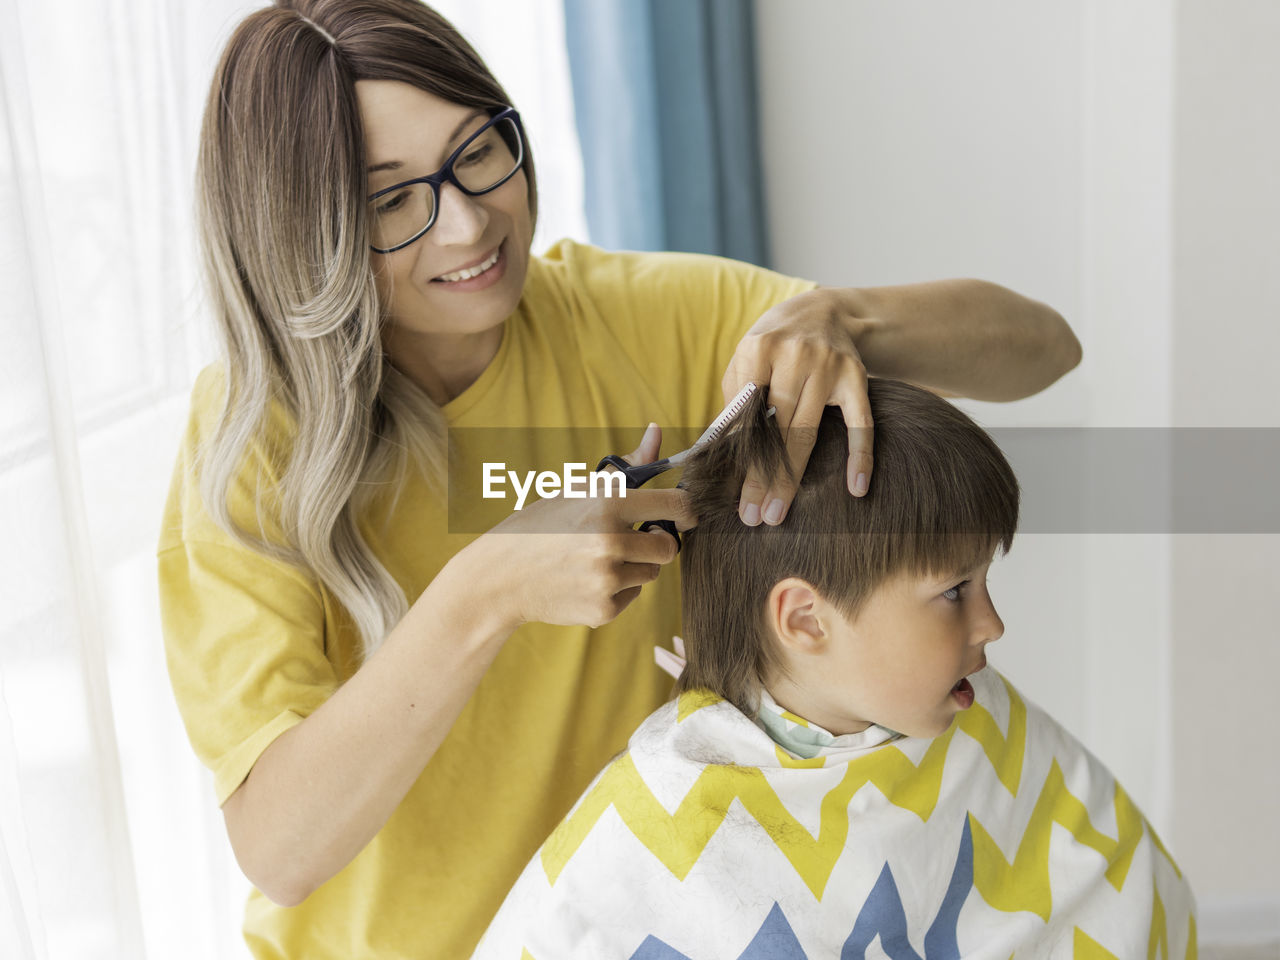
(1226,295)
(1077,153)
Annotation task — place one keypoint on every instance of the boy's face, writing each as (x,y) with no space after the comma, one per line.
(897,664)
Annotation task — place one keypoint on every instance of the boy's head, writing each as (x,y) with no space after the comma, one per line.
(851,611)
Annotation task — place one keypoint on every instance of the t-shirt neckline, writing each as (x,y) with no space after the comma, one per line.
(468,398)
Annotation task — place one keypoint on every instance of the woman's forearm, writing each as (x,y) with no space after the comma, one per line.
(959,337)
(321,791)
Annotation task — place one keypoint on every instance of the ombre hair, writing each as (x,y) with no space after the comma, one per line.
(942,498)
(284,240)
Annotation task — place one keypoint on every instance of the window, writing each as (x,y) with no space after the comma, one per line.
(110,844)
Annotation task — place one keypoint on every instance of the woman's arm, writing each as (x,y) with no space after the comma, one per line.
(318,794)
(965,338)
(321,791)
(954,337)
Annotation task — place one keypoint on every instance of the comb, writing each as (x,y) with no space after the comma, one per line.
(719,424)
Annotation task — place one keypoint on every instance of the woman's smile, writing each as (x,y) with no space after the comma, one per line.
(477,275)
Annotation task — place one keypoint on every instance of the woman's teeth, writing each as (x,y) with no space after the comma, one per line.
(470,272)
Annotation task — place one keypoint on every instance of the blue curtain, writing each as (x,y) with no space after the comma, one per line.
(665,97)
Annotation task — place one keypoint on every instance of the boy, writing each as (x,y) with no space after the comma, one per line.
(840,776)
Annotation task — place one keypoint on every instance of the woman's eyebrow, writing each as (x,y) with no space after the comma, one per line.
(397,164)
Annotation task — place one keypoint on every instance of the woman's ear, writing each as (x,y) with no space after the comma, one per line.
(795,614)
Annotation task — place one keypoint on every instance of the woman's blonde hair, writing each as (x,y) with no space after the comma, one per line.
(281,213)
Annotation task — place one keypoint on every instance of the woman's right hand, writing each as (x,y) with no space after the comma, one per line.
(579,561)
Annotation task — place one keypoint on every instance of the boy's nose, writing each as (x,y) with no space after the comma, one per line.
(461,220)
(995,628)
(988,628)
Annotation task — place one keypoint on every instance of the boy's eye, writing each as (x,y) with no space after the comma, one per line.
(954,593)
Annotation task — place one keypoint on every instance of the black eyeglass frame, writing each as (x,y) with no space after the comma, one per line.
(446,175)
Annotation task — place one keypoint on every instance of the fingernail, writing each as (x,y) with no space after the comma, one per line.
(751,515)
(773,512)
(860,485)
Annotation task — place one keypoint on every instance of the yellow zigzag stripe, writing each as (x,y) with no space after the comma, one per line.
(678,839)
(1004,752)
(788,715)
(692,701)
(1155,838)
(1160,931)
(1084,947)
(787,760)
(1024,884)
(1159,928)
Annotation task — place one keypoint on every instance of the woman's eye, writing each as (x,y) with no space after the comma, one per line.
(954,593)
(477,155)
(391,205)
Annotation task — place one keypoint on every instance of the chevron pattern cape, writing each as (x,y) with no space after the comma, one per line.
(1004,837)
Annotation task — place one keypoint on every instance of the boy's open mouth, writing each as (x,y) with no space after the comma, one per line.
(963,693)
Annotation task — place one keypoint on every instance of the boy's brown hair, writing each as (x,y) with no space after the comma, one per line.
(942,497)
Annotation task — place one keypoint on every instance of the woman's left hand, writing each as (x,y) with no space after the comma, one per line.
(804,351)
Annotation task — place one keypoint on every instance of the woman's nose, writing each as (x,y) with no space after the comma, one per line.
(461,220)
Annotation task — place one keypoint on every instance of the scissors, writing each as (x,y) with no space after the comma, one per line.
(639,474)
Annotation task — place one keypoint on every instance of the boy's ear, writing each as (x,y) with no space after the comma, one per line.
(794,613)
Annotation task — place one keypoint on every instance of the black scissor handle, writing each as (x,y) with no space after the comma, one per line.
(638,476)
(667,525)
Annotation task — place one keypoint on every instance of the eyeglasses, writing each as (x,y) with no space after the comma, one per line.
(486,160)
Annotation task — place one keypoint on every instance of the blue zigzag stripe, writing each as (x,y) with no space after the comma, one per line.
(882,915)
(775,940)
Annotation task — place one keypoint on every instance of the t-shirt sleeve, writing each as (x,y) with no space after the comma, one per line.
(679,314)
(244,634)
(244,640)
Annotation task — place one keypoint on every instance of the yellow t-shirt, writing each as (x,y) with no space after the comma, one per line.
(600,341)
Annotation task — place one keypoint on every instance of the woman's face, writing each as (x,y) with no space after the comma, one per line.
(422,287)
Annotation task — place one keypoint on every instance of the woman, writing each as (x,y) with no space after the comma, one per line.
(397,710)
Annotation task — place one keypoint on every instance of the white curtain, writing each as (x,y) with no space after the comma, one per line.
(110,844)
